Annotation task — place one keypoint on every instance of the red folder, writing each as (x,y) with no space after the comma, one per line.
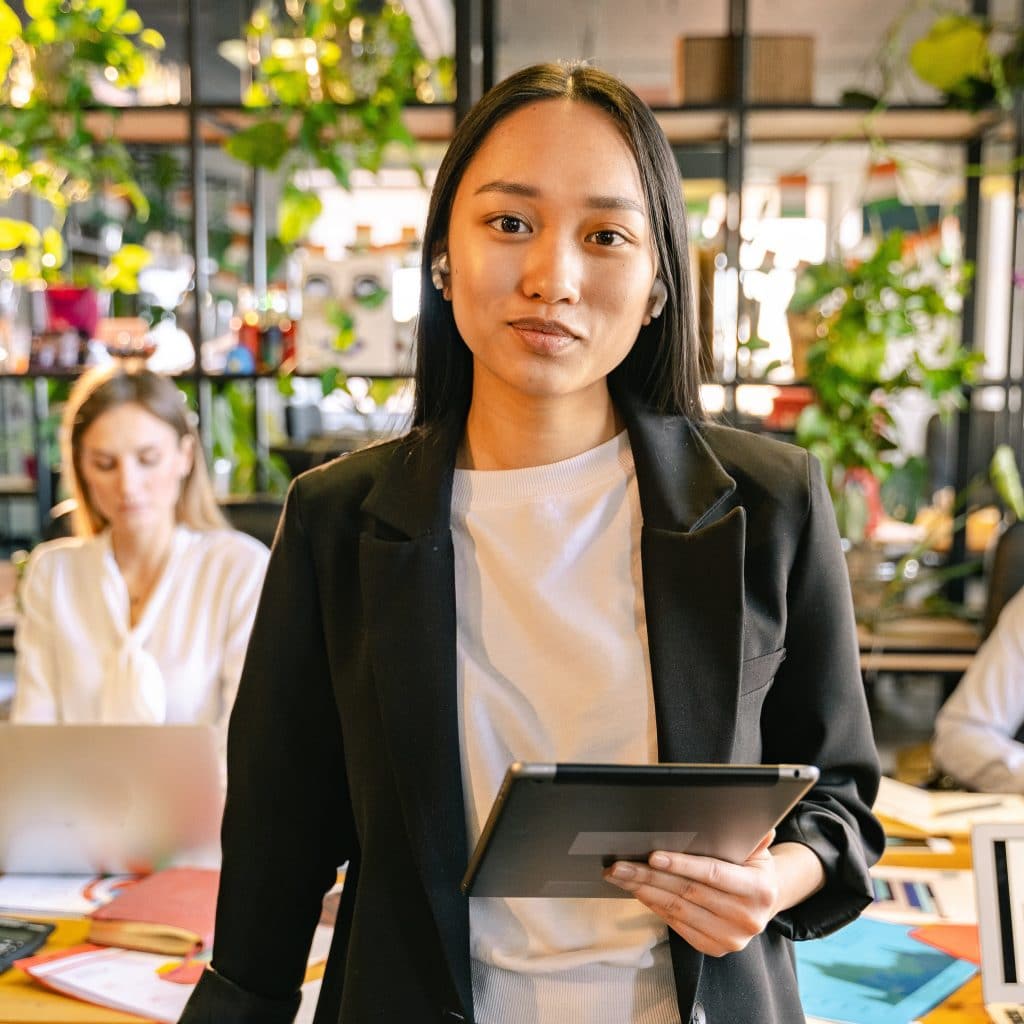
(170,911)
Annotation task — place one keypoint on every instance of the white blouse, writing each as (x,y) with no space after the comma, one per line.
(78,659)
(975,730)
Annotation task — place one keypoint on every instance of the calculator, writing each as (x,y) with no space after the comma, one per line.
(20,938)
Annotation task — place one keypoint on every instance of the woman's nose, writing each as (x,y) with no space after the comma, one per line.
(127,478)
(553,270)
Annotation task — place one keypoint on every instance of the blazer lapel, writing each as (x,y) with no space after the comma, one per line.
(408,580)
(692,551)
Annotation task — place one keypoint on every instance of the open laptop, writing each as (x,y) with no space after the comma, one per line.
(997,851)
(103,799)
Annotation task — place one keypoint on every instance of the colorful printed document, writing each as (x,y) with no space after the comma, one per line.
(873,972)
(922,895)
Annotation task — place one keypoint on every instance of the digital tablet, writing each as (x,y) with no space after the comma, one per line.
(554,828)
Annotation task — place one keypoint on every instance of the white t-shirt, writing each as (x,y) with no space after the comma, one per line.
(553,665)
(78,660)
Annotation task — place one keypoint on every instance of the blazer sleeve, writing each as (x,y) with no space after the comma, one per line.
(817,714)
(287,822)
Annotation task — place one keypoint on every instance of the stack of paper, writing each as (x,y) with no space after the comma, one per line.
(59,895)
(945,813)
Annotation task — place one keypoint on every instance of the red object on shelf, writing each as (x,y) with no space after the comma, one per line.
(860,476)
(71,306)
(787,406)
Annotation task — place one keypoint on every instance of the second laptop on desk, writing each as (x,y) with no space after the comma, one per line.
(104,799)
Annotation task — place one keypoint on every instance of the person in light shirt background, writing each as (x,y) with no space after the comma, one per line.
(980,729)
(143,616)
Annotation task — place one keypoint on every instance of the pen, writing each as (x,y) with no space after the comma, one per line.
(964,808)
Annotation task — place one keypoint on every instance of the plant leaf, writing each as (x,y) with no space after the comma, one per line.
(260,145)
(16,233)
(954,50)
(296,214)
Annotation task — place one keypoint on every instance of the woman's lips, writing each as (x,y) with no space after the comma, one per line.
(547,337)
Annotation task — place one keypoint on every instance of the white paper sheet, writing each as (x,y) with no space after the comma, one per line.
(944,813)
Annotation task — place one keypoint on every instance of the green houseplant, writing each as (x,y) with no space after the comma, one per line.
(884,326)
(49,147)
(330,80)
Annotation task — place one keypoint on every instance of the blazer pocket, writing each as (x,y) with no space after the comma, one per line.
(756,673)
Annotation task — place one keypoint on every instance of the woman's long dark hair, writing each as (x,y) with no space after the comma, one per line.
(662,368)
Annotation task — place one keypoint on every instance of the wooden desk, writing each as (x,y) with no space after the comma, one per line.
(24,1001)
(928,645)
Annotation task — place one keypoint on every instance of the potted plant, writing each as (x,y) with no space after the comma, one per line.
(48,149)
(330,80)
(885,326)
(37,260)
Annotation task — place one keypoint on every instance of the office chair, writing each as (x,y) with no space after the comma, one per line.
(940,451)
(256,516)
(1006,575)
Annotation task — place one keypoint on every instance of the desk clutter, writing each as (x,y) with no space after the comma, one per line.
(939,922)
(134,945)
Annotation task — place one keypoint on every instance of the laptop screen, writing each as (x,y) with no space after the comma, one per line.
(998,854)
(1008,859)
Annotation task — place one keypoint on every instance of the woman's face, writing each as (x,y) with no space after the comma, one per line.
(132,466)
(550,251)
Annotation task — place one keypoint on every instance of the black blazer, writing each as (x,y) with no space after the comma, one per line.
(344,742)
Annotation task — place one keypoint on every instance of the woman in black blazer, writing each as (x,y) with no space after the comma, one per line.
(561,558)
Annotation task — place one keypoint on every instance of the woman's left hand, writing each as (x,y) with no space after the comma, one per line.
(717,907)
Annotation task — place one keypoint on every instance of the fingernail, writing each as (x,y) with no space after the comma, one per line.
(659,860)
(623,871)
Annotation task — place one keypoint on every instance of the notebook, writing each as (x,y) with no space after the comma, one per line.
(171,911)
(997,851)
(107,799)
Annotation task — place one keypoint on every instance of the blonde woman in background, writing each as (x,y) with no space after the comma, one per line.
(143,616)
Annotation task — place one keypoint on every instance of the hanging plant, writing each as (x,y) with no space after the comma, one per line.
(47,149)
(47,66)
(330,82)
(973,61)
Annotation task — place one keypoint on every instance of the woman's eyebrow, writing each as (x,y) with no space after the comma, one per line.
(602,202)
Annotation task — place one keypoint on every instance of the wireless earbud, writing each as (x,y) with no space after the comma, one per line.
(439,271)
(658,298)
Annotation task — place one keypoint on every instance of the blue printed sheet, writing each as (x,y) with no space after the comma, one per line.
(872,972)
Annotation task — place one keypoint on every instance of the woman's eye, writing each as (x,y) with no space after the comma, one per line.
(509,225)
(149,458)
(608,237)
